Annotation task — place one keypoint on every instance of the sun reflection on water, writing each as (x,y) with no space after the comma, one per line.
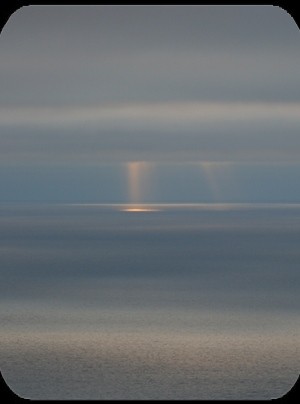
(138,208)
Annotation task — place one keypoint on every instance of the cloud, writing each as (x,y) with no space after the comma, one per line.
(170,131)
(143,114)
(64,55)
(92,84)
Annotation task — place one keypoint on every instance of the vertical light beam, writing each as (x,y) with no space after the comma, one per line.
(134,181)
(209,169)
(137,181)
(219,176)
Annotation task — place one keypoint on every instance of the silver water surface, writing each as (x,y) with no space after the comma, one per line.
(170,302)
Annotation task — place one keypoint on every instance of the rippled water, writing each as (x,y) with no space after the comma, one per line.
(151,302)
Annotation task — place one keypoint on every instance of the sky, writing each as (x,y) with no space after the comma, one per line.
(115,104)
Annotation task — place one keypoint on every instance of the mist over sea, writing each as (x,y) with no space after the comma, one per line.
(150,302)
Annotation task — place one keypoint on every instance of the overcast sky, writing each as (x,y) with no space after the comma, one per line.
(150,103)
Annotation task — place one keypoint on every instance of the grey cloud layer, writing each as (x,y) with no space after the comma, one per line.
(152,132)
(57,55)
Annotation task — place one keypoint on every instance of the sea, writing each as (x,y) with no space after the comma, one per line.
(159,301)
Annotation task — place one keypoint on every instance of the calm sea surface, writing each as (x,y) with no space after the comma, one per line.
(158,302)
